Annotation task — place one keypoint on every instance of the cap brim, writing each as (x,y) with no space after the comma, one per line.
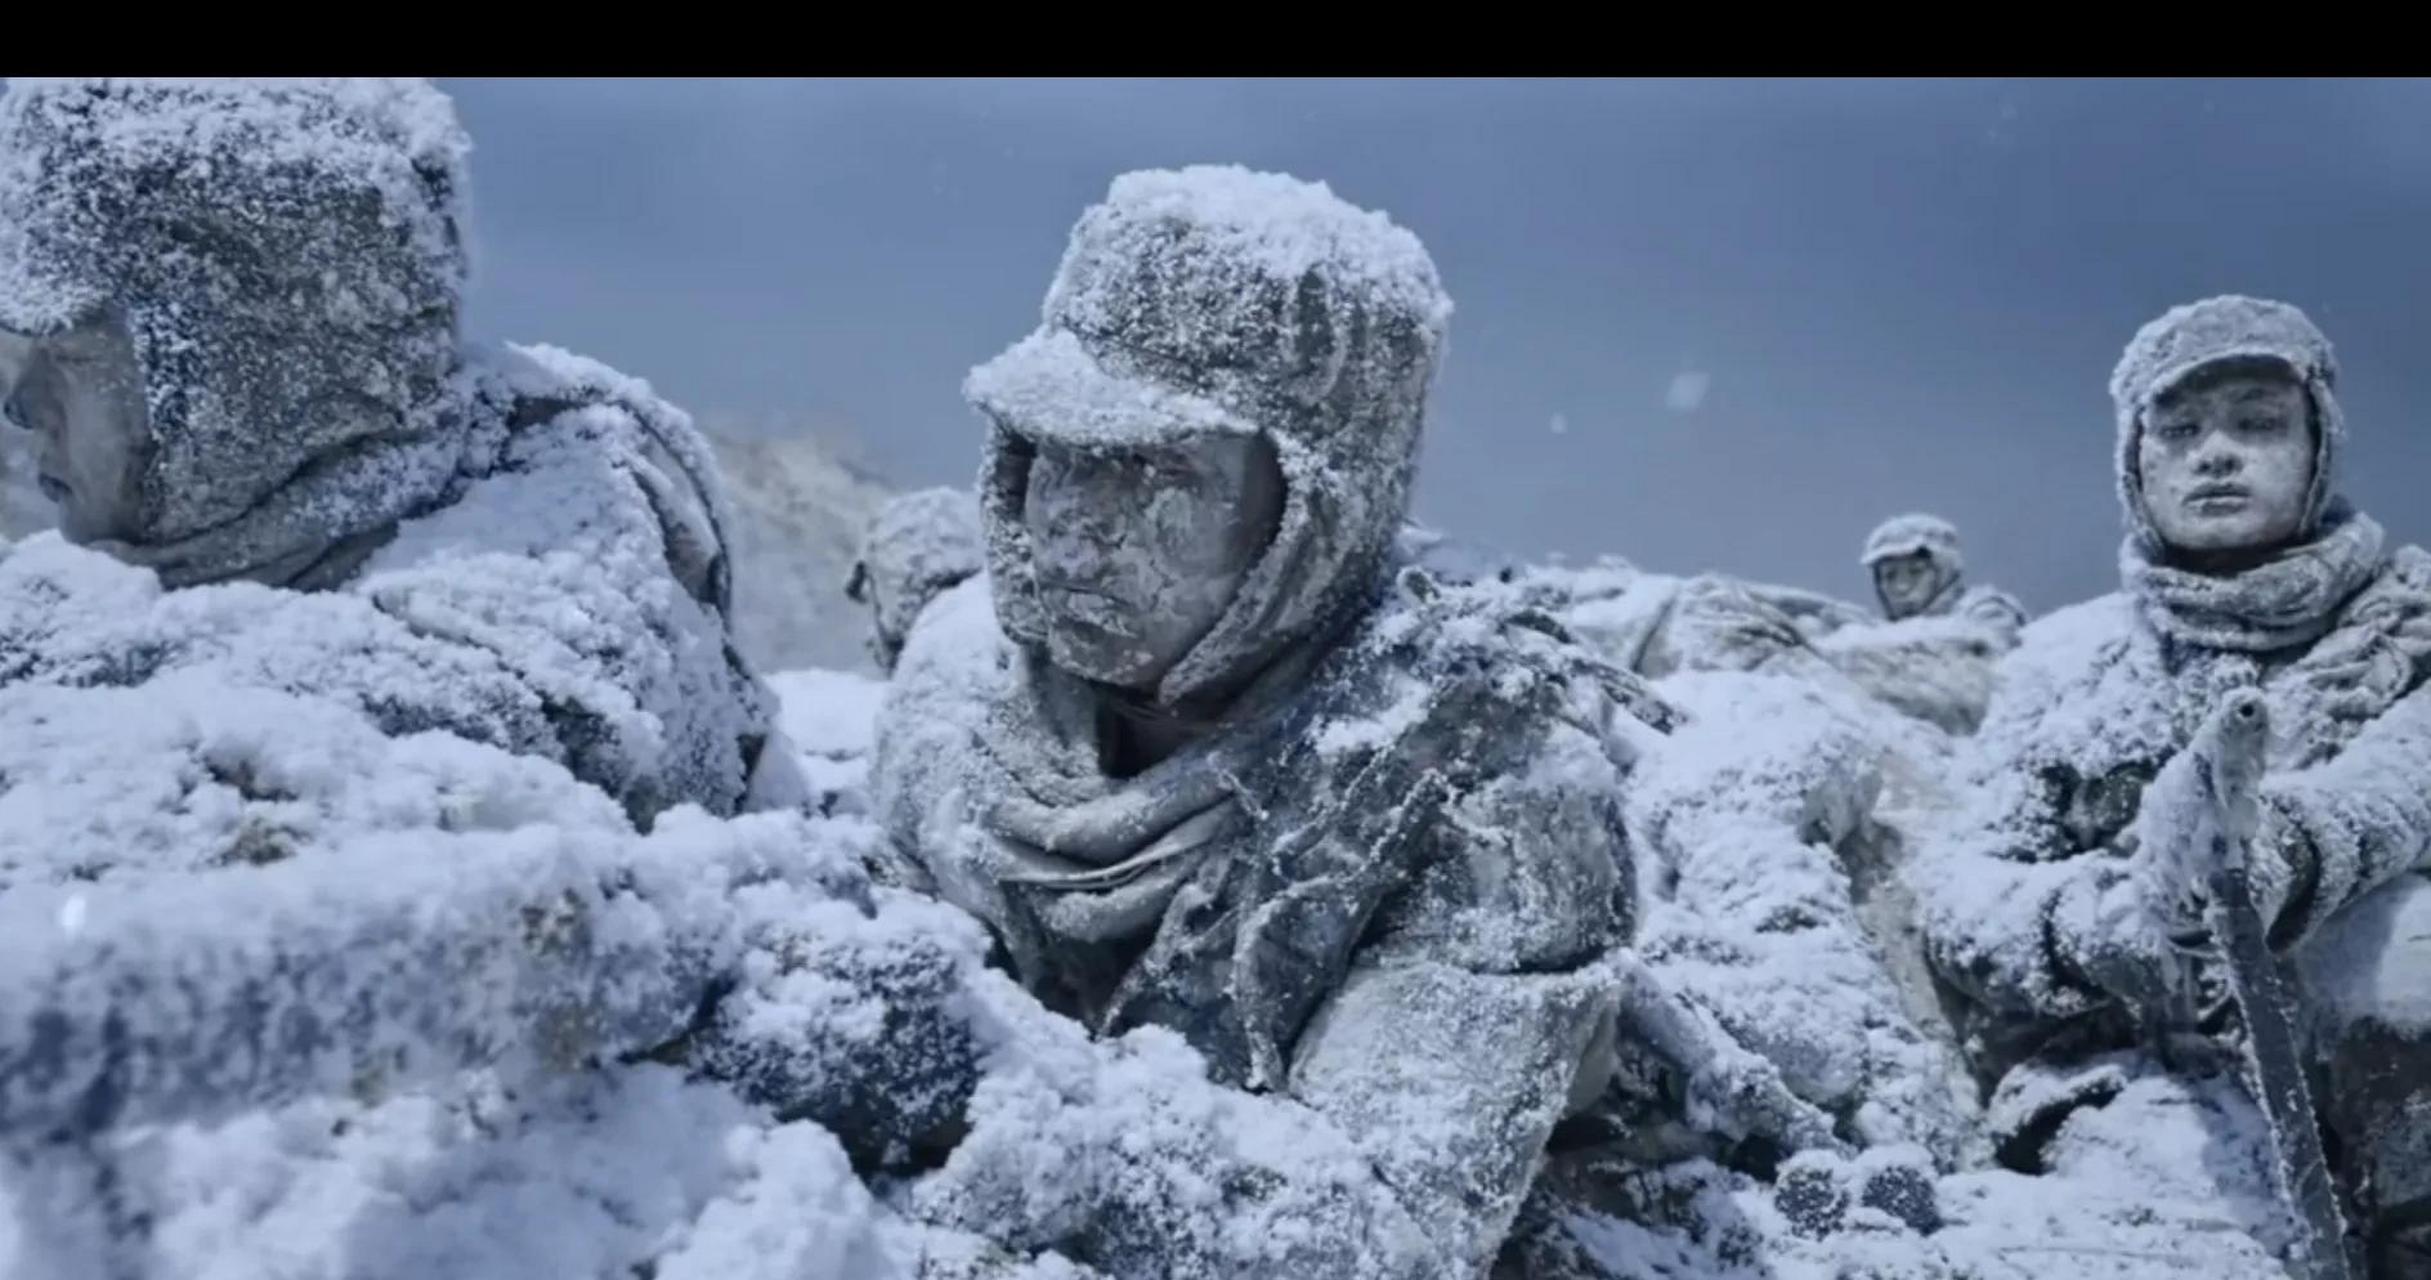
(1048,387)
(2169,379)
(1876,555)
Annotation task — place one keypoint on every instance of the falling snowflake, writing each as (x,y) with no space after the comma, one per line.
(1687,391)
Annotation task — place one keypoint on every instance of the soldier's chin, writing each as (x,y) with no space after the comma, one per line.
(1092,653)
(2244,529)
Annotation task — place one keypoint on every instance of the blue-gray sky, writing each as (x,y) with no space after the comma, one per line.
(1902,295)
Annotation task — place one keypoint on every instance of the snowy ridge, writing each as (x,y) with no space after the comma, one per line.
(797,515)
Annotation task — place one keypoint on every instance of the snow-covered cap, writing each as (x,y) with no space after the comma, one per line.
(1449,559)
(2189,338)
(1217,300)
(1210,298)
(274,245)
(1911,533)
(915,546)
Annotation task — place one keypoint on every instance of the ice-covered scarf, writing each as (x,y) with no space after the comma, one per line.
(2289,600)
(2362,618)
(1099,858)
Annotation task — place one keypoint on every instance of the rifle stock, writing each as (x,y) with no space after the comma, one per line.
(2228,770)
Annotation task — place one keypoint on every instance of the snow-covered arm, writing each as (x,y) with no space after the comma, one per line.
(1453,1079)
(1459,1040)
(1812,612)
(2016,909)
(852,1014)
(2356,821)
(2026,899)
(1938,669)
(1996,608)
(1123,1156)
(376,966)
(1717,624)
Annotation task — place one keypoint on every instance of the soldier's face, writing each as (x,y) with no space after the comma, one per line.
(2227,462)
(81,393)
(1137,553)
(1907,583)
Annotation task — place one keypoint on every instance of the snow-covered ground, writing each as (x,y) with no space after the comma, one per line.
(829,716)
(485,1159)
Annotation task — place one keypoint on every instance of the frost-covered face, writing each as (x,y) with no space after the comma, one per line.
(2226,461)
(81,392)
(1137,553)
(1907,583)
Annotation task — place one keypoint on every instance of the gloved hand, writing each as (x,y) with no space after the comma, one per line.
(2173,876)
(2107,926)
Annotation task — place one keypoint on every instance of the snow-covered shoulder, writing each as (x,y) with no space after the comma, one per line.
(2068,638)
(586,553)
(2056,653)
